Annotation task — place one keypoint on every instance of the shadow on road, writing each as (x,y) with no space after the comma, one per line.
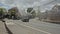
(9,32)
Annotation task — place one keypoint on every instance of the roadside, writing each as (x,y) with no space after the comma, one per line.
(2,28)
(47,21)
(51,21)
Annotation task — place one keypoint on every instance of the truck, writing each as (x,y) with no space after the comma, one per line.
(13,13)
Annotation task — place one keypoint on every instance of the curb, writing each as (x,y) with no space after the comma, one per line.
(8,31)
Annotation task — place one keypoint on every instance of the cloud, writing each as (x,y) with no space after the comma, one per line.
(28,3)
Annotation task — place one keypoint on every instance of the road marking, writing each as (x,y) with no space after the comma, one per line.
(35,29)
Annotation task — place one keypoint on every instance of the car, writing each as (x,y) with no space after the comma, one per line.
(25,18)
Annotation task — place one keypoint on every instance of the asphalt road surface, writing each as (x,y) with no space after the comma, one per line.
(32,27)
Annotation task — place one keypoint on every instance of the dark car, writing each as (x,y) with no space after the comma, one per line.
(25,18)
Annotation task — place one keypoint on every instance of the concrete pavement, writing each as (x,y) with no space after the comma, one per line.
(2,28)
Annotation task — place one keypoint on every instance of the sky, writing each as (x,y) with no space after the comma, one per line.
(22,4)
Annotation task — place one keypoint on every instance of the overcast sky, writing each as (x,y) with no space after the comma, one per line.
(44,4)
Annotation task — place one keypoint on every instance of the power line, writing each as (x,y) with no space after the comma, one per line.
(46,3)
(49,2)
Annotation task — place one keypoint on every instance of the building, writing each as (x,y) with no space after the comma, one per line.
(54,13)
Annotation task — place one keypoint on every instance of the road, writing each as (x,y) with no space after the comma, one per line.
(32,27)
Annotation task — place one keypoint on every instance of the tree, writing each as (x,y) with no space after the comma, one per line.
(33,13)
(29,10)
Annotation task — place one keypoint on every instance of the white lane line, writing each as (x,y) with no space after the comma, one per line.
(34,28)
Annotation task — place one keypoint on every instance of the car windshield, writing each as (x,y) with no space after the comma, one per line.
(29,16)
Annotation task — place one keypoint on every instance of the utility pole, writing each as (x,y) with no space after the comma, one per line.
(39,13)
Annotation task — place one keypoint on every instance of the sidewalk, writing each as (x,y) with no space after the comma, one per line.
(2,28)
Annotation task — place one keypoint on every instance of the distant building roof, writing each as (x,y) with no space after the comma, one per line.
(14,8)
